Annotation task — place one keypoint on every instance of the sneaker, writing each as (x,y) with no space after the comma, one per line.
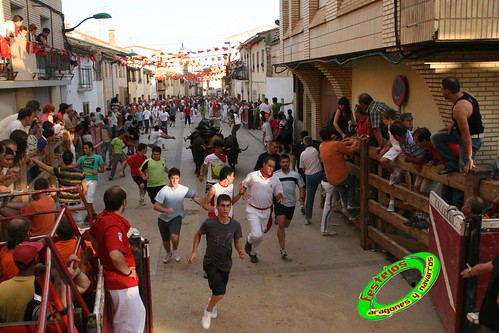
(110,178)
(329,233)
(422,223)
(353,207)
(446,171)
(177,256)
(284,254)
(206,320)
(307,222)
(393,177)
(142,202)
(391,206)
(302,210)
(253,258)
(247,248)
(167,258)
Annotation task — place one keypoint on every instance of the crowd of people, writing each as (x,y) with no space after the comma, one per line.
(269,192)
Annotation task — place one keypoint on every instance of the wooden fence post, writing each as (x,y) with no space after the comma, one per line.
(364,195)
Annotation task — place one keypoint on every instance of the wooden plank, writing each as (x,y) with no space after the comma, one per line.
(398,221)
(400,192)
(387,243)
(489,189)
(365,217)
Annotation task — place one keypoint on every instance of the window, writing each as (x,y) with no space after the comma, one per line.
(86,108)
(322,3)
(263,60)
(86,77)
(139,75)
(258,61)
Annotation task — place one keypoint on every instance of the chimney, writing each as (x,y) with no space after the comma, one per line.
(112,37)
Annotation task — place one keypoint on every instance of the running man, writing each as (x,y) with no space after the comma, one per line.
(220,231)
(153,172)
(258,189)
(284,212)
(213,163)
(135,161)
(169,202)
(92,164)
(224,186)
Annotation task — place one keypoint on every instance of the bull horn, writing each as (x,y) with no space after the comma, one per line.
(188,147)
(240,150)
(227,149)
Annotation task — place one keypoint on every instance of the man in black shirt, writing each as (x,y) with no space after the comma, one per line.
(272,149)
(220,232)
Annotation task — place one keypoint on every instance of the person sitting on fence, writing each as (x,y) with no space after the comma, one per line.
(418,156)
(450,195)
(388,155)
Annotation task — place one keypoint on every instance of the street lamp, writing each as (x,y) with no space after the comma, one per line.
(98,16)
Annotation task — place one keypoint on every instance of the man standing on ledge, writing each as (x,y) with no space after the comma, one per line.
(466,129)
(258,189)
(109,237)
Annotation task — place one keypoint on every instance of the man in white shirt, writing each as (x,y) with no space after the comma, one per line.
(146,115)
(24,119)
(265,106)
(213,163)
(311,165)
(157,136)
(259,189)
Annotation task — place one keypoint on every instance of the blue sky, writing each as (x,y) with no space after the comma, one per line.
(164,25)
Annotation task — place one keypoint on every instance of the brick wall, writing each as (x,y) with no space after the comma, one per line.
(480,79)
(311,80)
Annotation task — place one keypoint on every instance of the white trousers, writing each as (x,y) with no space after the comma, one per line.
(258,220)
(129,311)
(328,205)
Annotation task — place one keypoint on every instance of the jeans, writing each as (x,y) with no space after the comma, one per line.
(105,150)
(347,191)
(313,182)
(116,158)
(441,140)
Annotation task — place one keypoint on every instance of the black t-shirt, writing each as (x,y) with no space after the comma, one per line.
(134,132)
(259,162)
(219,239)
(489,311)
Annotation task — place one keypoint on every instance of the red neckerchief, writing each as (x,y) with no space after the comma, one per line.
(264,175)
(221,156)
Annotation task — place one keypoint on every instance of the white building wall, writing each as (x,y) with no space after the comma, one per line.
(282,88)
(73,94)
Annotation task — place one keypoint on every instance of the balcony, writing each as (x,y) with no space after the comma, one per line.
(239,71)
(31,65)
(440,20)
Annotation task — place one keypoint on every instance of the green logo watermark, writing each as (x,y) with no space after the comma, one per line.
(426,263)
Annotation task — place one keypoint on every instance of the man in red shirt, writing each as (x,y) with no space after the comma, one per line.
(135,161)
(109,236)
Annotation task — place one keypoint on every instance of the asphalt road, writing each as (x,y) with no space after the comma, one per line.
(315,290)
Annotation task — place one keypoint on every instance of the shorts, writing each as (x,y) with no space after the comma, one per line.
(172,118)
(288,212)
(392,154)
(217,279)
(153,191)
(91,186)
(171,227)
(426,185)
(138,180)
(140,123)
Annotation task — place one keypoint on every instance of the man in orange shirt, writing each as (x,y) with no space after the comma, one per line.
(41,224)
(337,172)
(17,232)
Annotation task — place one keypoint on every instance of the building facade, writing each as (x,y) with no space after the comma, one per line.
(338,48)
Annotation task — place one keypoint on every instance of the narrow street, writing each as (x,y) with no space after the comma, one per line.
(315,290)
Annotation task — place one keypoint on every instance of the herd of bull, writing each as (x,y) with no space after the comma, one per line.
(201,144)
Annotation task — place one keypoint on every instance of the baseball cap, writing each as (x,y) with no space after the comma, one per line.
(406,116)
(25,252)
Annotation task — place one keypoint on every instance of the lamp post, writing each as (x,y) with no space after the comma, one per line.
(98,16)
(228,71)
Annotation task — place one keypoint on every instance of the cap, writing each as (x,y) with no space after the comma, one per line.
(25,252)
(406,116)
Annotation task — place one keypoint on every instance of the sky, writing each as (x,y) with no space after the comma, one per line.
(166,24)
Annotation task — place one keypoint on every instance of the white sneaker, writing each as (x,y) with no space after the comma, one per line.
(177,256)
(284,254)
(391,206)
(167,258)
(328,233)
(206,320)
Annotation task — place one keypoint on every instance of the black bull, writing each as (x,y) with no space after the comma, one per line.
(200,148)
